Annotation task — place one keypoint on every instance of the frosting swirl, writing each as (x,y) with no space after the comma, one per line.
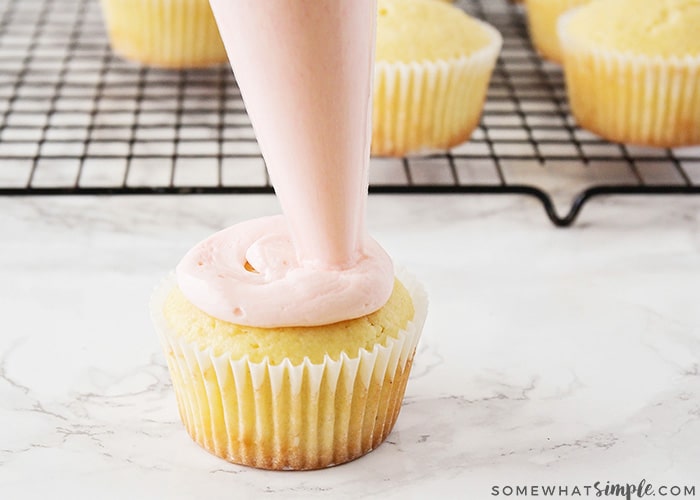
(249,274)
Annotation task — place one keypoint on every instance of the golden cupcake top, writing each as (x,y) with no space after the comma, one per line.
(420,30)
(643,27)
(293,343)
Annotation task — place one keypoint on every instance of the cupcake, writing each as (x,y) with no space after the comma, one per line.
(290,338)
(633,70)
(433,65)
(174,34)
(542,17)
(290,397)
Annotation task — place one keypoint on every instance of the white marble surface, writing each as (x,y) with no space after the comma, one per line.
(549,357)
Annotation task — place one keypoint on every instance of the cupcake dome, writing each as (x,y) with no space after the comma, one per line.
(173,34)
(433,65)
(664,28)
(292,343)
(418,30)
(542,17)
(633,70)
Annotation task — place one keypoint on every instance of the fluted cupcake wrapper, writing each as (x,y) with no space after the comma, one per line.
(652,101)
(542,17)
(164,33)
(285,416)
(430,105)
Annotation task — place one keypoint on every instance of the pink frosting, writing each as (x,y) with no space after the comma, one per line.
(304,68)
(274,289)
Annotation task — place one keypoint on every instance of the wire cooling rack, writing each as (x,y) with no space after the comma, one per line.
(76,119)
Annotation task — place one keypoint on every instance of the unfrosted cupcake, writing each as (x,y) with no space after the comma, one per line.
(633,70)
(433,65)
(164,33)
(542,17)
(290,398)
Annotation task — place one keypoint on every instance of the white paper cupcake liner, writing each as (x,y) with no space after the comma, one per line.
(430,105)
(164,33)
(629,98)
(285,416)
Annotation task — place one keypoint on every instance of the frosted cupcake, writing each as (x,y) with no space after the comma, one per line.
(542,17)
(164,33)
(433,65)
(633,70)
(290,398)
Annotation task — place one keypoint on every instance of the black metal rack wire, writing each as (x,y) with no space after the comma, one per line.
(75,119)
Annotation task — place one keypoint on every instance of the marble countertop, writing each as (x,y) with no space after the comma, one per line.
(550,356)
